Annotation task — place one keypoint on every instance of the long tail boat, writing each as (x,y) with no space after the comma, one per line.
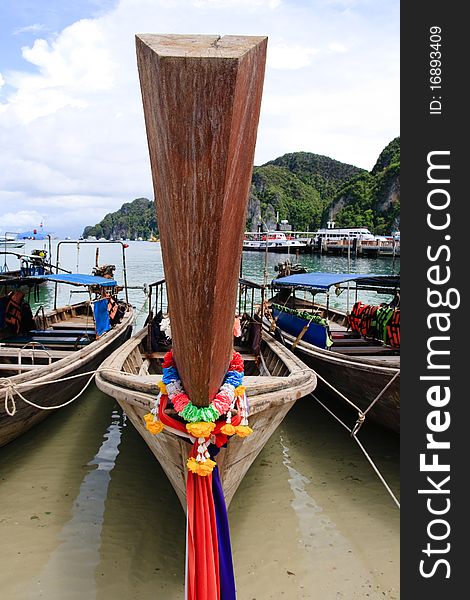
(46,359)
(358,353)
(201,98)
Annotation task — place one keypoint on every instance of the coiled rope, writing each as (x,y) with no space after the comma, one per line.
(13,389)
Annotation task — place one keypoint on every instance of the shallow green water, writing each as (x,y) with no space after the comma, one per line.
(87,513)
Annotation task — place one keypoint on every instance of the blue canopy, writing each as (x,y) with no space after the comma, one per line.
(323,281)
(76,279)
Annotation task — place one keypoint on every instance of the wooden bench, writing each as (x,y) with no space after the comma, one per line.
(363,350)
(18,342)
(62,332)
(29,353)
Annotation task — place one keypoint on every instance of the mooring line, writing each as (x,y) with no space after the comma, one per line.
(366,454)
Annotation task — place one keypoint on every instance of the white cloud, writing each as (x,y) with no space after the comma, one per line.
(22,219)
(283,56)
(72,137)
(34,28)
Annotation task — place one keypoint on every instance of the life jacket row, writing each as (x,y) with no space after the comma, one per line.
(377,322)
(15,313)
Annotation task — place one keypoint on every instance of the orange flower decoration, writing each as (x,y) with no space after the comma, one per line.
(155,427)
(201,429)
(200,468)
(243,431)
(228,429)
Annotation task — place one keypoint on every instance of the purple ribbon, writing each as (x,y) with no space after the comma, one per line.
(227,577)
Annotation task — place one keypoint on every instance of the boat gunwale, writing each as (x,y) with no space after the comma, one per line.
(62,367)
(296,384)
(359,362)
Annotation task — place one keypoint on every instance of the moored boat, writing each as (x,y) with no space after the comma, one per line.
(358,353)
(201,98)
(46,360)
(10,241)
(272,241)
(276,380)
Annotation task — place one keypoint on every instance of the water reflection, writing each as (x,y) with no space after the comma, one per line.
(70,570)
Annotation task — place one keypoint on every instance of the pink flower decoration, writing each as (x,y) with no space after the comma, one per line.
(221,403)
(180,401)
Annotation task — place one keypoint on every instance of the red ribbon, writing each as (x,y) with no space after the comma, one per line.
(202,545)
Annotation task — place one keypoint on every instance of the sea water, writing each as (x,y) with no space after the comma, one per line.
(86,512)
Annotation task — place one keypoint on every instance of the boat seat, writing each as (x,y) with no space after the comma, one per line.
(37,353)
(363,350)
(356,342)
(73,326)
(46,341)
(62,332)
(341,333)
(159,355)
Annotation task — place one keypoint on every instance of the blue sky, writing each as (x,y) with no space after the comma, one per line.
(72,141)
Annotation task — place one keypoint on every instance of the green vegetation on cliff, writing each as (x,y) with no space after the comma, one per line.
(133,220)
(372,199)
(306,189)
(297,187)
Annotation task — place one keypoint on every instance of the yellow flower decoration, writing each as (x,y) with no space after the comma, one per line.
(201,468)
(227,429)
(201,429)
(192,464)
(243,430)
(240,390)
(155,427)
(162,387)
(206,467)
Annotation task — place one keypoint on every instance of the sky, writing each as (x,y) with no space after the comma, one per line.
(72,138)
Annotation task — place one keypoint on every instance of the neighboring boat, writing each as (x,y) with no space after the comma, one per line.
(343,233)
(359,353)
(8,242)
(201,98)
(272,241)
(36,263)
(39,355)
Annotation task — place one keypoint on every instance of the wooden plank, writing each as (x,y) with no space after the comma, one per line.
(201,98)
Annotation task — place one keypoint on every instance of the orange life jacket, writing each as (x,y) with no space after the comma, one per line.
(355,316)
(112,308)
(393,329)
(367,327)
(362,319)
(13,311)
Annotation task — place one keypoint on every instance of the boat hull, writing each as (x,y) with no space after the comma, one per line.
(53,393)
(359,379)
(268,406)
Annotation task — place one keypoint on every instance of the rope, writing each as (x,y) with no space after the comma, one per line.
(366,454)
(12,389)
(140,311)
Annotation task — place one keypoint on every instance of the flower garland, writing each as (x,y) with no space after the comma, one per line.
(201,420)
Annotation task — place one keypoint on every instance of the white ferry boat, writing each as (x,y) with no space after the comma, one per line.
(7,242)
(348,233)
(273,241)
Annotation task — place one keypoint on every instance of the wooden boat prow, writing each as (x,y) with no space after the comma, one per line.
(201,97)
(125,376)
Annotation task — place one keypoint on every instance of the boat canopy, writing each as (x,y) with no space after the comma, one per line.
(321,282)
(75,279)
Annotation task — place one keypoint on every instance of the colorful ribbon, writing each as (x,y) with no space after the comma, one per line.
(209,566)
